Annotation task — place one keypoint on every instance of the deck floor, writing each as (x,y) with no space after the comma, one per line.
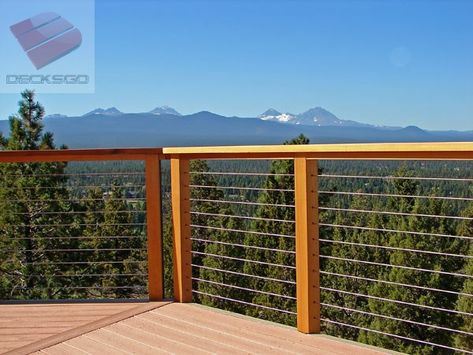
(153,328)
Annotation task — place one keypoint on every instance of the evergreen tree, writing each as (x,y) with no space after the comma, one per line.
(414,277)
(465,301)
(286,245)
(32,201)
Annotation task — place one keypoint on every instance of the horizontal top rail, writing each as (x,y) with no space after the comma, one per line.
(430,150)
(357,151)
(26,156)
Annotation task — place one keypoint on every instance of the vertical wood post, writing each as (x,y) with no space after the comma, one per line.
(181,219)
(153,226)
(307,245)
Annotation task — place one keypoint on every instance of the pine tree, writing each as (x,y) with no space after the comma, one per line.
(465,301)
(414,277)
(286,245)
(33,198)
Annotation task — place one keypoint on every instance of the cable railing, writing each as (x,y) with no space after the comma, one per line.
(371,243)
(382,255)
(236,264)
(76,228)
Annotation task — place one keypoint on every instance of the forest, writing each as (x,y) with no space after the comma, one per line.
(396,247)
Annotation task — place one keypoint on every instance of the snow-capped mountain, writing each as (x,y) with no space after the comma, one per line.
(273,115)
(165,110)
(112,111)
(316,116)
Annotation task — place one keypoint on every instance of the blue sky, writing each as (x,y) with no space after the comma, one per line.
(379,62)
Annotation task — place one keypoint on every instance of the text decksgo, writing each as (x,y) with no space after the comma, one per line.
(56,79)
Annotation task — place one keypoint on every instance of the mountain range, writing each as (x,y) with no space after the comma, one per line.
(164,126)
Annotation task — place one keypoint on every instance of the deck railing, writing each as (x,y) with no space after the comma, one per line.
(72,234)
(284,233)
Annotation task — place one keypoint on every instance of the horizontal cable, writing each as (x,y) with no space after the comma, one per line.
(396,301)
(242,217)
(395,177)
(240,188)
(244,246)
(78,225)
(238,174)
(396,266)
(395,231)
(75,212)
(395,283)
(76,187)
(395,195)
(242,203)
(243,302)
(76,288)
(77,174)
(243,260)
(396,248)
(243,274)
(243,231)
(394,213)
(86,275)
(79,199)
(243,288)
(77,250)
(84,262)
(396,319)
(395,336)
(86,237)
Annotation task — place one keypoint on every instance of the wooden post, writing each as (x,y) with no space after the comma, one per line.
(181,219)
(153,220)
(307,246)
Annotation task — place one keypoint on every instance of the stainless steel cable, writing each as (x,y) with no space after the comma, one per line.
(394,213)
(242,203)
(241,217)
(396,301)
(395,336)
(242,260)
(395,318)
(241,188)
(395,177)
(243,288)
(395,283)
(237,174)
(244,231)
(48,213)
(396,266)
(244,246)
(80,250)
(396,248)
(395,195)
(245,275)
(243,302)
(395,231)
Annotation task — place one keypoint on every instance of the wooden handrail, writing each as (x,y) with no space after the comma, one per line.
(28,156)
(431,150)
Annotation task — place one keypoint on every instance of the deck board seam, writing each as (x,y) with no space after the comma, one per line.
(84,329)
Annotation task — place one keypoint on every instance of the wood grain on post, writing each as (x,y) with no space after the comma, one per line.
(153,222)
(307,246)
(181,219)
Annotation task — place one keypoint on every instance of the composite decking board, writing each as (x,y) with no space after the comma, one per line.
(96,315)
(189,329)
(257,332)
(206,344)
(320,342)
(200,328)
(150,329)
